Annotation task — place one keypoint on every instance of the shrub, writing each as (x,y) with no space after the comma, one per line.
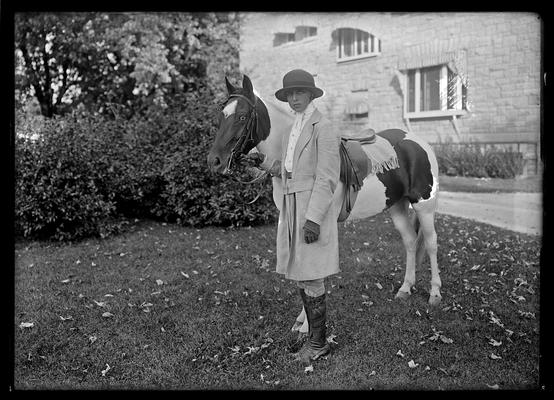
(77,175)
(478,160)
(56,194)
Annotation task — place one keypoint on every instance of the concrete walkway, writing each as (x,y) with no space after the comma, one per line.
(519,212)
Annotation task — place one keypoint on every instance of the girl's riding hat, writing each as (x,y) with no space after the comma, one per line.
(298,79)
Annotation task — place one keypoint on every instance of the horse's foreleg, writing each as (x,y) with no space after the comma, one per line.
(401,221)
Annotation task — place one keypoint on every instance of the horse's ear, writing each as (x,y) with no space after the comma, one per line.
(247,86)
(230,87)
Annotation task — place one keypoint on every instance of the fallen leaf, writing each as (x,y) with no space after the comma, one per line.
(107,315)
(251,350)
(159,282)
(309,368)
(412,364)
(69,317)
(66,280)
(92,338)
(495,357)
(493,342)
(372,373)
(399,353)
(105,371)
(331,339)
(100,303)
(379,286)
(268,341)
(526,314)
(445,339)
(493,386)
(26,325)
(185,275)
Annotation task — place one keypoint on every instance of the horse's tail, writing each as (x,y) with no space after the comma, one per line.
(420,242)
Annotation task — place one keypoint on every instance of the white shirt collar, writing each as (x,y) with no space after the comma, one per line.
(307,112)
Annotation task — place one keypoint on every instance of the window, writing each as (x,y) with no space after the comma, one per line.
(434,91)
(282,38)
(300,33)
(356,43)
(357,105)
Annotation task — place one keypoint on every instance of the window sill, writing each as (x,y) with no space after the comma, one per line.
(354,58)
(434,114)
(302,41)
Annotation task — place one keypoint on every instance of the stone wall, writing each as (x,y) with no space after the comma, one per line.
(503,67)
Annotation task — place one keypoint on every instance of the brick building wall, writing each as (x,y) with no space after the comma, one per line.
(502,64)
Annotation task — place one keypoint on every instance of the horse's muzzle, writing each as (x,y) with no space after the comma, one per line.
(216,164)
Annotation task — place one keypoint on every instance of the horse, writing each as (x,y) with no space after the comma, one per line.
(246,125)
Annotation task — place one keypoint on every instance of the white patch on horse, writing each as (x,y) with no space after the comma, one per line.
(230,109)
(371,199)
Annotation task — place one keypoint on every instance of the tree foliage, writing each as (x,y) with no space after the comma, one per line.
(122,62)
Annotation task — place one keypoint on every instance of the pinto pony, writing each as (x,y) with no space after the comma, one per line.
(247,123)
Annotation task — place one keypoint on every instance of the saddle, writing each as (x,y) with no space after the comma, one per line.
(354,167)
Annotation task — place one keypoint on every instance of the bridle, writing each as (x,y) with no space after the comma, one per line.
(247,135)
(245,139)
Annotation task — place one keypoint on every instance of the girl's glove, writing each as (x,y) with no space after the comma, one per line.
(311,231)
(253,159)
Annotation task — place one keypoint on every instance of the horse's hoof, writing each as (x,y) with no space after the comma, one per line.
(401,295)
(434,300)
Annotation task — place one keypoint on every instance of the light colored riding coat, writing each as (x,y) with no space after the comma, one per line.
(308,194)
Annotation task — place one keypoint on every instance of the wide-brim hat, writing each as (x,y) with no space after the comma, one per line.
(298,79)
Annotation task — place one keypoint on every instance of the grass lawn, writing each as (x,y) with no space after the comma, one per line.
(168,307)
(532,184)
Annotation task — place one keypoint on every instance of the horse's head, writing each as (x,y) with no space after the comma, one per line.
(243,123)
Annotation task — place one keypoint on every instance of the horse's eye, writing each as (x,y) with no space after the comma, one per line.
(242,118)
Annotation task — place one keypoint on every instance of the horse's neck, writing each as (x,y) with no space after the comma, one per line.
(281,123)
(271,147)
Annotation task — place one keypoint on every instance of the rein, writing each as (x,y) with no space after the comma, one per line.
(246,137)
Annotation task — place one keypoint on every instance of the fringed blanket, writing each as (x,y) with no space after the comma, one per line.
(381,155)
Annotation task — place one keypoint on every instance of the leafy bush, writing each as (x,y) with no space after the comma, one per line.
(77,175)
(478,160)
(56,192)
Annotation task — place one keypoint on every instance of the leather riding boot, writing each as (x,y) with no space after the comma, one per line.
(316,312)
